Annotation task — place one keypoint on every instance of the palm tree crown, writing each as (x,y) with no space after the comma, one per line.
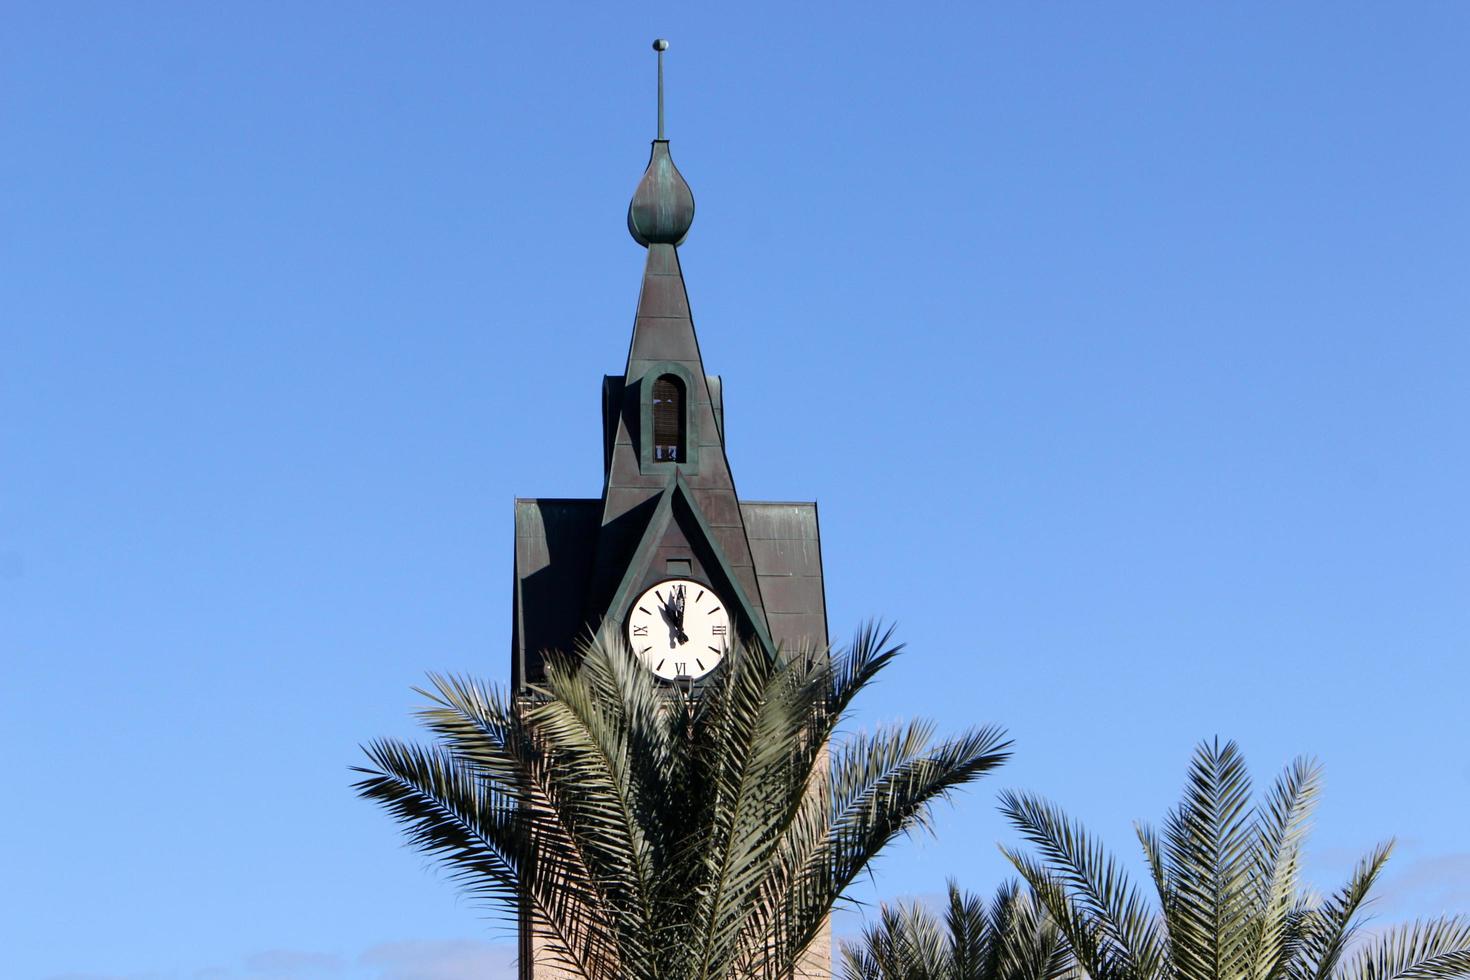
(653,835)
(1226,875)
(1011,939)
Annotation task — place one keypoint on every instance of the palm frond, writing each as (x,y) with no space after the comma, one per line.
(482,835)
(1328,929)
(1011,939)
(1089,940)
(880,786)
(1231,905)
(1208,847)
(973,933)
(1125,933)
(1025,942)
(906,943)
(1438,949)
(1282,823)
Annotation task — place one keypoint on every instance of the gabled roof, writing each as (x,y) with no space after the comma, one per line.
(678,503)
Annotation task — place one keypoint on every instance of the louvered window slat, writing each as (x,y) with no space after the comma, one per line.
(668,420)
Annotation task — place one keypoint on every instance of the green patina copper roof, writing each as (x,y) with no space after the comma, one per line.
(662,208)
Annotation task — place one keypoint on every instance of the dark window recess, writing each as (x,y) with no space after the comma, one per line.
(668,420)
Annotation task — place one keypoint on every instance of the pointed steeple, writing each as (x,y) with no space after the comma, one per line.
(664,425)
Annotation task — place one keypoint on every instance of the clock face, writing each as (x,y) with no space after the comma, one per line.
(679,628)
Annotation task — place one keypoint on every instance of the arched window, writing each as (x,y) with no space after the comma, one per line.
(668,420)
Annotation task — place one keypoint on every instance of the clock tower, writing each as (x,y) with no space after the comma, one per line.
(668,554)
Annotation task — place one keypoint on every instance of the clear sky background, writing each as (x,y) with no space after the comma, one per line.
(1123,346)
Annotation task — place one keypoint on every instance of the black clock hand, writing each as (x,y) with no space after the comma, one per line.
(674,620)
(675,607)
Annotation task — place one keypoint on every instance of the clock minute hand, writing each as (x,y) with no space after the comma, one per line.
(674,620)
(676,609)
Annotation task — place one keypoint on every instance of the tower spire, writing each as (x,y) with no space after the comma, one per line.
(660,45)
(662,208)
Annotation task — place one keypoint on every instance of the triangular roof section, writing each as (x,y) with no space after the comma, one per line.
(677,504)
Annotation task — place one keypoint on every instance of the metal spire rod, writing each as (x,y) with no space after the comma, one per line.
(660,45)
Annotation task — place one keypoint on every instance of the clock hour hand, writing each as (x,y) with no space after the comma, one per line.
(674,620)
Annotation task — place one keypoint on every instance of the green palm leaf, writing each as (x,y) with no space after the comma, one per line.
(1226,876)
(1120,924)
(1418,951)
(1012,939)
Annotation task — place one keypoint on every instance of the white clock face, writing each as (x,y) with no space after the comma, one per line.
(680,628)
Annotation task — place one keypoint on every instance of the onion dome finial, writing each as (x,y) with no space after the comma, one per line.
(662,208)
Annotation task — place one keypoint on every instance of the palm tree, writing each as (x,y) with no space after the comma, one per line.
(1231,905)
(656,835)
(1012,939)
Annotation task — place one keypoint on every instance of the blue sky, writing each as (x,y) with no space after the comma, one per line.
(1123,346)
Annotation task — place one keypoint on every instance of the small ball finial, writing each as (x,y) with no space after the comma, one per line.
(660,44)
